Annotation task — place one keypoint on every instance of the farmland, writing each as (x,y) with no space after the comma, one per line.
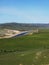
(26,50)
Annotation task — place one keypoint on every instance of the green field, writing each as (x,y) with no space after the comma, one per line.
(25,50)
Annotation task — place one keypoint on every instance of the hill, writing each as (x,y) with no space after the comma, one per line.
(22,26)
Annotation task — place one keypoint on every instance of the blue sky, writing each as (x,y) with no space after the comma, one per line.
(24,11)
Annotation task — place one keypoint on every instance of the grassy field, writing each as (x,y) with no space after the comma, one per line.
(25,50)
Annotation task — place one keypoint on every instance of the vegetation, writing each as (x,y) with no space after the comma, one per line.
(22,26)
(26,50)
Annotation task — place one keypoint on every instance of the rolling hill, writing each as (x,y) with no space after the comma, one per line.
(22,26)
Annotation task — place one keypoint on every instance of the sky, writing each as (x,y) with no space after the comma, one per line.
(24,11)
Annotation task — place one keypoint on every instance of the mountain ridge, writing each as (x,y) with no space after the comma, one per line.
(23,26)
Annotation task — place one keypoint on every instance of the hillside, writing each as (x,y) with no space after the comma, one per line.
(25,50)
(21,26)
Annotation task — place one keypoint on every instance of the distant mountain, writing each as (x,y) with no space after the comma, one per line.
(21,26)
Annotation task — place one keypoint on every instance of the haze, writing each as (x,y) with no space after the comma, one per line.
(24,11)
